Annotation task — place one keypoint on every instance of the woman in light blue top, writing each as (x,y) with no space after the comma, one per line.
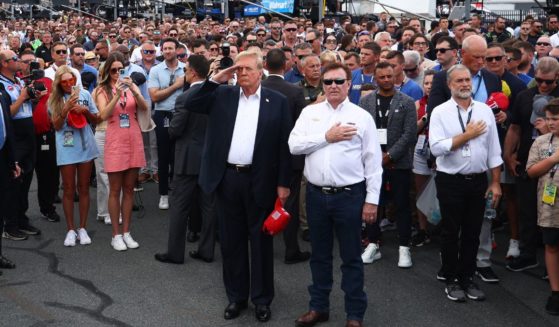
(75,147)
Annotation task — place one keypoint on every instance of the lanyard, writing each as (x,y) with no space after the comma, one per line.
(550,152)
(363,78)
(478,85)
(383,116)
(461,121)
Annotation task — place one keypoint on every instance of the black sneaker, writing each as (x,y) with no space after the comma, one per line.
(487,275)
(552,306)
(440,275)
(420,238)
(521,264)
(455,293)
(29,230)
(14,235)
(53,217)
(473,292)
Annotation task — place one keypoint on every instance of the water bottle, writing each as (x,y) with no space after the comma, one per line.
(490,213)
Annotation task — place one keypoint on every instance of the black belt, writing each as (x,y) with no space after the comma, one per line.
(467,177)
(334,189)
(239,168)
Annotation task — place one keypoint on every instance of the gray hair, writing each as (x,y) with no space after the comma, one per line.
(412,56)
(254,53)
(460,67)
(381,34)
(302,46)
(306,58)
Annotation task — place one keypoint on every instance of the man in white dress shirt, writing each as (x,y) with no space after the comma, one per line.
(344,173)
(463,137)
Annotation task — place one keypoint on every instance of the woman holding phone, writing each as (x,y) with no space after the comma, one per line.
(119,99)
(71,108)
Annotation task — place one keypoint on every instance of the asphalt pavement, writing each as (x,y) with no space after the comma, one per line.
(95,285)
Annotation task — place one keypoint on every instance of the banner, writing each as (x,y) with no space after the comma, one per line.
(282,6)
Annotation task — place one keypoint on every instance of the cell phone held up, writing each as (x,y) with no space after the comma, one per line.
(122,75)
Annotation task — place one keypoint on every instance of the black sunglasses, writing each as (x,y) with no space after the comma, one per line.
(14,58)
(148,51)
(182,55)
(59,52)
(543,44)
(290,29)
(261,34)
(492,59)
(115,70)
(338,81)
(443,50)
(112,35)
(546,81)
(408,70)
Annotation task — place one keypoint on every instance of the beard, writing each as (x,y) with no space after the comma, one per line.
(462,94)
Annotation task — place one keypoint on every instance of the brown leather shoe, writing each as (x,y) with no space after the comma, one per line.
(354,323)
(311,318)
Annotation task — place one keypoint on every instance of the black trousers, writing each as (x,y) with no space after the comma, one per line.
(292,206)
(184,195)
(165,150)
(48,175)
(195,214)
(529,232)
(19,189)
(240,220)
(5,182)
(462,203)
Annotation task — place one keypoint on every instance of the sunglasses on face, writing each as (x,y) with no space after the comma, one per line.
(60,52)
(443,50)
(115,70)
(546,81)
(290,29)
(261,35)
(492,59)
(338,81)
(81,54)
(181,55)
(409,70)
(27,62)
(543,44)
(214,49)
(68,82)
(173,35)
(276,28)
(112,35)
(331,41)
(148,51)
(14,58)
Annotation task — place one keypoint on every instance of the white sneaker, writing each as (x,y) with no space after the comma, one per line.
(371,253)
(514,250)
(405,257)
(70,239)
(84,238)
(164,202)
(130,243)
(107,220)
(118,243)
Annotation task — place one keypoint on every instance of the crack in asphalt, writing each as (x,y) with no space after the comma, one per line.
(96,313)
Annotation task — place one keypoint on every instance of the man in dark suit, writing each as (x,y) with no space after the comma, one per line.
(246,161)
(484,82)
(9,169)
(275,63)
(189,131)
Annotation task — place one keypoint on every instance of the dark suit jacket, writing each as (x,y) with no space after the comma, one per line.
(295,100)
(188,130)
(9,144)
(271,163)
(440,93)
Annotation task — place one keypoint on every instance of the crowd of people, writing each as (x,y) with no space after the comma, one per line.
(344,122)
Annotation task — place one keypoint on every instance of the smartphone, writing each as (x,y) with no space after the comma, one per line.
(122,74)
(76,89)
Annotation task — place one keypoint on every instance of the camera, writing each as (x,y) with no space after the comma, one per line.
(226,61)
(32,85)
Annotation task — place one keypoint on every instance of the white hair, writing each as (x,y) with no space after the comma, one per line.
(380,34)
(412,56)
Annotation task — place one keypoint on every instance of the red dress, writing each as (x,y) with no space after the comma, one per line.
(124,146)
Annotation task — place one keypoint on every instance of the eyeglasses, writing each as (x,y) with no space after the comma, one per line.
(338,81)
(115,70)
(492,59)
(511,59)
(181,55)
(420,44)
(81,54)
(68,82)
(276,28)
(546,81)
(290,29)
(148,51)
(214,49)
(409,70)
(60,52)
(443,50)
(543,44)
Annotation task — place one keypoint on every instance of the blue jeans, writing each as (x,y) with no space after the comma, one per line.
(339,213)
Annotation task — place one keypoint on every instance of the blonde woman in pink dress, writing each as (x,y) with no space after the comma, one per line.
(118,100)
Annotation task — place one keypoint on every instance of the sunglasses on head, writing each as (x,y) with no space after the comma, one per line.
(148,51)
(59,52)
(338,81)
(492,59)
(443,50)
(546,81)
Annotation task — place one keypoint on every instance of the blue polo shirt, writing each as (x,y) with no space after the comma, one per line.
(411,89)
(358,79)
(293,76)
(160,78)
(14,89)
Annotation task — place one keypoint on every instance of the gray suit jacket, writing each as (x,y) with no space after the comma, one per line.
(402,127)
(188,129)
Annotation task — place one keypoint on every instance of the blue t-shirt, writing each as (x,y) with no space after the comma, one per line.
(411,89)
(357,80)
(77,145)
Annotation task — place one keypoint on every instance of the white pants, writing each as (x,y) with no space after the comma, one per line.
(102,177)
(150,151)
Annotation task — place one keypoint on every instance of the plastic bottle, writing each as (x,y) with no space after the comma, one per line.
(490,213)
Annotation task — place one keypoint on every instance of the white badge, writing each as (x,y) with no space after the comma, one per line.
(45,147)
(420,143)
(466,152)
(382,136)
(165,122)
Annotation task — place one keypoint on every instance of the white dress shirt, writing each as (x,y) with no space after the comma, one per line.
(244,132)
(51,71)
(341,163)
(485,151)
